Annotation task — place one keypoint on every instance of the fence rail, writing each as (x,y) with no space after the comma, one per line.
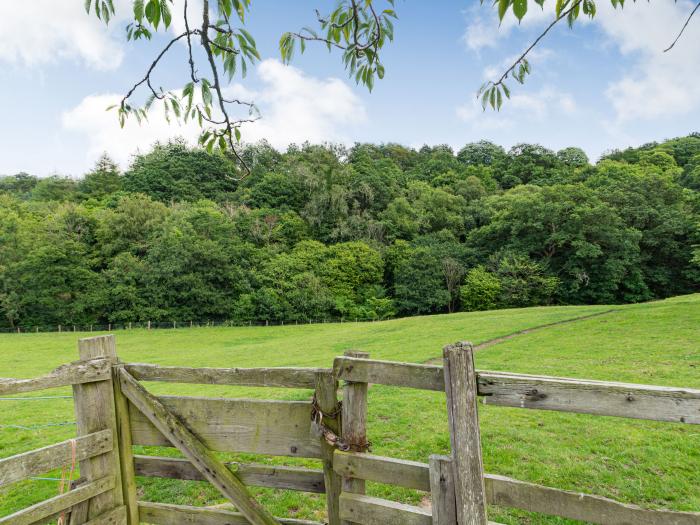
(508,492)
(276,477)
(22,466)
(602,398)
(114,412)
(71,374)
(263,377)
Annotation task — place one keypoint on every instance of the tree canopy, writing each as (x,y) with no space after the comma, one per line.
(367,232)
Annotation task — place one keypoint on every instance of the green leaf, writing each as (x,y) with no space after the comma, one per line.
(138,10)
(484,99)
(502,8)
(206,93)
(165,12)
(561,5)
(380,71)
(519,8)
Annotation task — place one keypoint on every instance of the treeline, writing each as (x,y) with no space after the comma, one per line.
(368,232)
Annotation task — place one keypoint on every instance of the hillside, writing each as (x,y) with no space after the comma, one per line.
(653,464)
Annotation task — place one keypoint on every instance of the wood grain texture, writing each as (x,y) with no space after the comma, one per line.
(94,411)
(116,516)
(604,398)
(366,510)
(40,461)
(442,491)
(679,405)
(272,476)
(409,474)
(282,377)
(195,450)
(70,374)
(508,492)
(57,504)
(354,424)
(166,514)
(279,428)
(463,418)
(126,453)
(424,377)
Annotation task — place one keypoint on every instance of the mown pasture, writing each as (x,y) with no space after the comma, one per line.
(651,464)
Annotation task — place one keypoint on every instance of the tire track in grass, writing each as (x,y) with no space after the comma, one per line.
(508,337)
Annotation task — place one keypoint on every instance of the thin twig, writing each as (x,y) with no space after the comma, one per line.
(147,78)
(206,43)
(537,41)
(318,39)
(193,73)
(680,34)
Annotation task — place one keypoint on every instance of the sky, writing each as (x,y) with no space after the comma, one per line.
(605,84)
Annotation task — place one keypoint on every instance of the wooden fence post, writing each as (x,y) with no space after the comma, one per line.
(126,452)
(327,400)
(354,421)
(94,411)
(442,490)
(467,465)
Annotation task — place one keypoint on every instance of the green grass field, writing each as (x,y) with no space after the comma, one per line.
(651,464)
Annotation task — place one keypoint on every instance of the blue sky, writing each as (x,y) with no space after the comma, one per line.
(605,84)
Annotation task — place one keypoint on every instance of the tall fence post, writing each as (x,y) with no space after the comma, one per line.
(354,421)
(94,411)
(463,417)
(327,401)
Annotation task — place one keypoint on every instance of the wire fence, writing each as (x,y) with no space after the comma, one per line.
(39,426)
(172,325)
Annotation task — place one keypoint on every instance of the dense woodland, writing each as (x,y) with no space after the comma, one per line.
(328,232)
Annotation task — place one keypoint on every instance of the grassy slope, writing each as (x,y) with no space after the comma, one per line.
(652,464)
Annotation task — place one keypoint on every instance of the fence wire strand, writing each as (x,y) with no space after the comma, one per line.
(36,427)
(36,398)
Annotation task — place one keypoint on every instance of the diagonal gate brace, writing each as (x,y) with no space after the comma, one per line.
(214,470)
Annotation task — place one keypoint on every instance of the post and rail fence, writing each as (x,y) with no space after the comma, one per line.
(115,412)
(170,325)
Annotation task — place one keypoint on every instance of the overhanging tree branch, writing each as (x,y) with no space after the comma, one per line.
(680,34)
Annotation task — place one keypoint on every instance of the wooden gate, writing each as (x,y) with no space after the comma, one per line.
(115,412)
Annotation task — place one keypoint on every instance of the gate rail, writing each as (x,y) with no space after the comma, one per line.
(115,412)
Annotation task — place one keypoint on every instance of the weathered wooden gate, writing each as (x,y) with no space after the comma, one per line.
(115,413)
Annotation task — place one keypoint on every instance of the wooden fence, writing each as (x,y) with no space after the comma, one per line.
(115,413)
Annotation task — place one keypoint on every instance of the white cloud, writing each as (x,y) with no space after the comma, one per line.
(194,15)
(45,31)
(295,108)
(521,109)
(655,85)
(102,132)
(658,84)
(484,29)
